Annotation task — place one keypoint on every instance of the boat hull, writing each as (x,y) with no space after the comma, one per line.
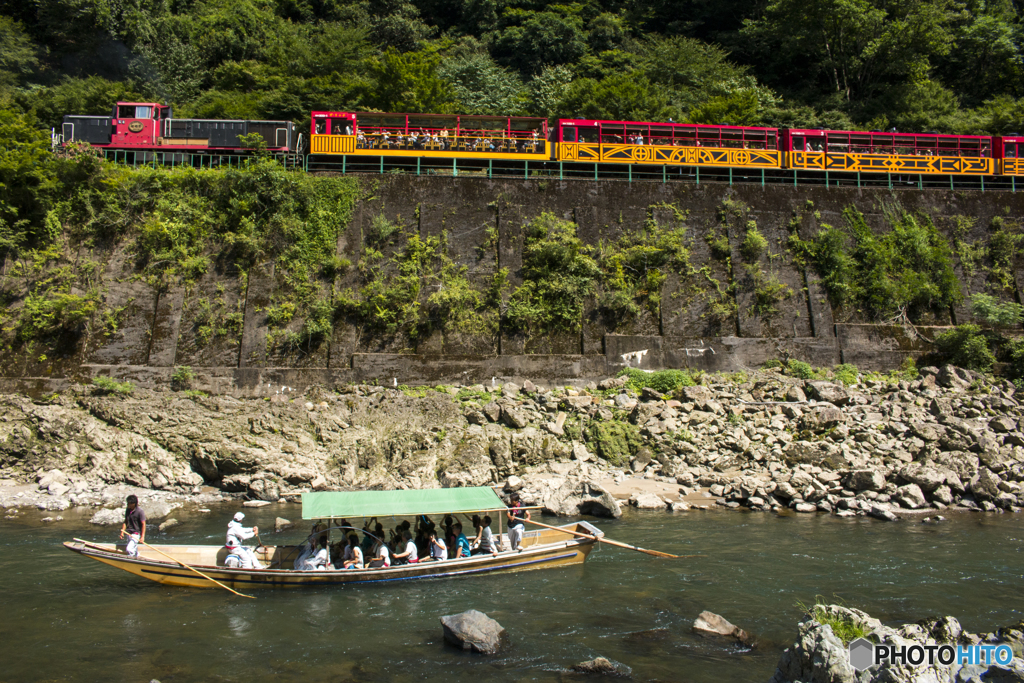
(538,555)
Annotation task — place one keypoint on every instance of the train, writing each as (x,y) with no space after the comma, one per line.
(149,131)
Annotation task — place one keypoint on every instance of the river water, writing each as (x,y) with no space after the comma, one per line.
(64,617)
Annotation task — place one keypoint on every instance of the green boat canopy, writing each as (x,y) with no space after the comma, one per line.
(326,504)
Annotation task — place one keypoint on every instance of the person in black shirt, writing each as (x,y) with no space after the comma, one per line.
(134,526)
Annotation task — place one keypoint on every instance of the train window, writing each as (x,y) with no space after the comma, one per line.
(321,126)
(568,133)
(816,144)
(1011,150)
(341,127)
(798,143)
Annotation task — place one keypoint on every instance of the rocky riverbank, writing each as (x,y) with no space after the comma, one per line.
(761,441)
(820,655)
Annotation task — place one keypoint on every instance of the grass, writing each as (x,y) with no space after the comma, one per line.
(844,629)
(109,385)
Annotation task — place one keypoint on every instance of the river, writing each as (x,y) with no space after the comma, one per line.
(68,618)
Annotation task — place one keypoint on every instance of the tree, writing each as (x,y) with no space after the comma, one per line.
(482,87)
(18,54)
(538,39)
(628,96)
(858,47)
(407,82)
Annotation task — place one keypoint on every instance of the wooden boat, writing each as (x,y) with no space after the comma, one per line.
(538,549)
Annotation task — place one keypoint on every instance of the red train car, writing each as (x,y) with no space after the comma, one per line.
(150,126)
(879,152)
(1009,153)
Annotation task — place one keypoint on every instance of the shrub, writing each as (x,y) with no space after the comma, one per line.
(182,378)
(335,266)
(966,347)
(108,385)
(772,364)
(846,373)
(996,312)
(844,629)
(798,368)
(280,314)
(754,244)
(662,381)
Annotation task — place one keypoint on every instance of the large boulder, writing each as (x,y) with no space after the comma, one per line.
(108,516)
(985,485)
(514,417)
(824,418)
(953,378)
(647,501)
(911,496)
(711,624)
(828,392)
(818,453)
(473,630)
(928,478)
(865,480)
(582,496)
(818,656)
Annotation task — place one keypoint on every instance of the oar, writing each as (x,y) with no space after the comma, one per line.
(190,567)
(656,553)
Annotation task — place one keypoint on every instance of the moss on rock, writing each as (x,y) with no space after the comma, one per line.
(614,441)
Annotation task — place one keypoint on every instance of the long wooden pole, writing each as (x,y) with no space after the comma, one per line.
(602,539)
(191,568)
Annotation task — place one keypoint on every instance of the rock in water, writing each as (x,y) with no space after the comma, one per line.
(600,666)
(255,503)
(711,624)
(647,501)
(473,630)
(280,524)
(108,516)
(578,496)
(169,524)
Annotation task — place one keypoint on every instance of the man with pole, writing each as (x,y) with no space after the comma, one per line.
(517,516)
(134,526)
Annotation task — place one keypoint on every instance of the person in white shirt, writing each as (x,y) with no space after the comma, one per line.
(486,543)
(353,554)
(320,560)
(409,554)
(236,534)
(438,549)
(383,558)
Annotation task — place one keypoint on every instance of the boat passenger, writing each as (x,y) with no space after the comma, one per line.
(244,556)
(486,543)
(517,517)
(408,555)
(320,561)
(461,546)
(355,561)
(134,526)
(383,558)
(438,549)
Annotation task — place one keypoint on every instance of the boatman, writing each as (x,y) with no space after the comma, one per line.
(134,525)
(517,517)
(236,534)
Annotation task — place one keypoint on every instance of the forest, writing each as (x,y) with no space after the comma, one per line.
(952,66)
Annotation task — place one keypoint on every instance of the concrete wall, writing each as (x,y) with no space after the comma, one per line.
(159,329)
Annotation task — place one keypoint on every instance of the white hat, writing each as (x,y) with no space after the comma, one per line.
(239,516)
